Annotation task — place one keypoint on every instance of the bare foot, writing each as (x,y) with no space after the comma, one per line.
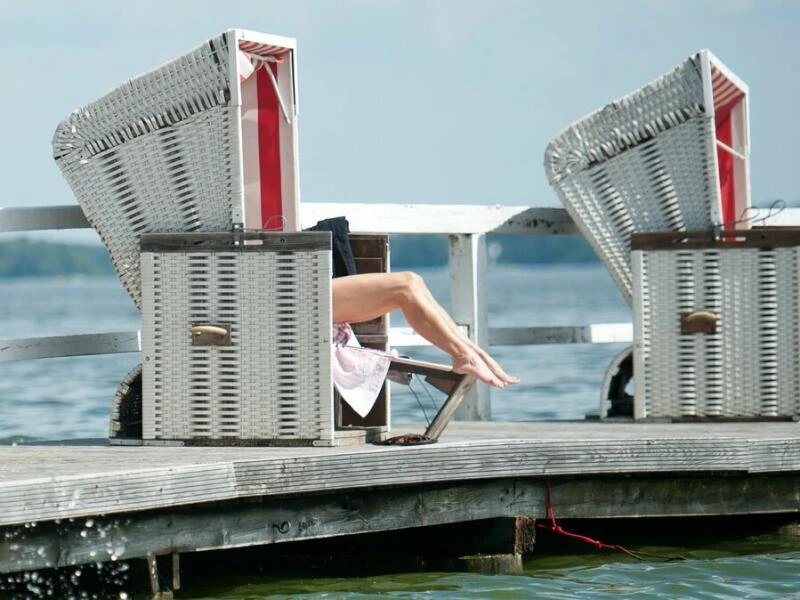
(470,363)
(496,368)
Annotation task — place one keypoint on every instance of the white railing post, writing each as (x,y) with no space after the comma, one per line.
(469,307)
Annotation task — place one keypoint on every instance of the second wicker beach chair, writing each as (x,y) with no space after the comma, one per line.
(671,156)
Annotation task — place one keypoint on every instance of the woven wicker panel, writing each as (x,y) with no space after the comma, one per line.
(273,382)
(749,366)
(645,162)
(159,153)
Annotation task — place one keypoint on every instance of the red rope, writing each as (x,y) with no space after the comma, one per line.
(556,528)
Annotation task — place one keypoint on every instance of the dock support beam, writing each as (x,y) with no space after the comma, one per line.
(505,543)
(164,569)
(469,307)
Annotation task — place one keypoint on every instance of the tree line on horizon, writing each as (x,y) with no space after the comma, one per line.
(22,257)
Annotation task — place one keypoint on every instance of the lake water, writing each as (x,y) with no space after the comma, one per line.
(69,398)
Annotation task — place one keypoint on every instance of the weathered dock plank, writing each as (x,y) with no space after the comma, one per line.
(40,483)
(276,520)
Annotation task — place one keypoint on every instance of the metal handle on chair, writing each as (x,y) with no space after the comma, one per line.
(698,321)
(211,335)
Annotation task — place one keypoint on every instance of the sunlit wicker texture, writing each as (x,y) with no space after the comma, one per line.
(273,382)
(138,159)
(750,367)
(163,152)
(645,162)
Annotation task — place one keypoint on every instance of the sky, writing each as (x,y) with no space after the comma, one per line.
(414,101)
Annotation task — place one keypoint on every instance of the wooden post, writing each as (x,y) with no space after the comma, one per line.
(164,571)
(469,307)
(502,545)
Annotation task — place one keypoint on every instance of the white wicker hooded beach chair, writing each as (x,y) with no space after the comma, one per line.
(203,142)
(189,174)
(205,146)
(671,156)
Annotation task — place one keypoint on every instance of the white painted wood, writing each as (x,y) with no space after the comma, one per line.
(41,218)
(381,218)
(741,139)
(441,218)
(264,38)
(603,333)
(777,217)
(469,306)
(234,71)
(640,343)
(610,333)
(363,218)
(69,345)
(400,337)
(289,155)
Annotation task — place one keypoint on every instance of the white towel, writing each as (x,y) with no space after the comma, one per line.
(358,373)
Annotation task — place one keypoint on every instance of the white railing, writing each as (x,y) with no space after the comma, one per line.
(465,225)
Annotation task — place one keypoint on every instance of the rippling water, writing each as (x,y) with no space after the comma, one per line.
(763,576)
(69,398)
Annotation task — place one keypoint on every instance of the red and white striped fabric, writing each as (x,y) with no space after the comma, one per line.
(728,98)
(266,207)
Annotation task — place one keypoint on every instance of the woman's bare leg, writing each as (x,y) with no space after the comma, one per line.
(364,297)
(448,320)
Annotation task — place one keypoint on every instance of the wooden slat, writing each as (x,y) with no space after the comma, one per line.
(441,218)
(757,237)
(774,455)
(363,218)
(42,218)
(128,341)
(449,408)
(376,217)
(777,217)
(603,333)
(69,345)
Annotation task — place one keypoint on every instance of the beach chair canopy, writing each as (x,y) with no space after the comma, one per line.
(199,144)
(671,156)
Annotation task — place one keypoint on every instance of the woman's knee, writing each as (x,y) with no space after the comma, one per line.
(411,286)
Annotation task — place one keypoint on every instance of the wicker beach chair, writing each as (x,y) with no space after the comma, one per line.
(205,145)
(717,324)
(205,141)
(671,156)
(188,172)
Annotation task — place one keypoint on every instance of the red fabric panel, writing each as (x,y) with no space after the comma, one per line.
(269,150)
(725,162)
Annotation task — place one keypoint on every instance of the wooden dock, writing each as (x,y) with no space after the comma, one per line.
(88,503)
(71,504)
